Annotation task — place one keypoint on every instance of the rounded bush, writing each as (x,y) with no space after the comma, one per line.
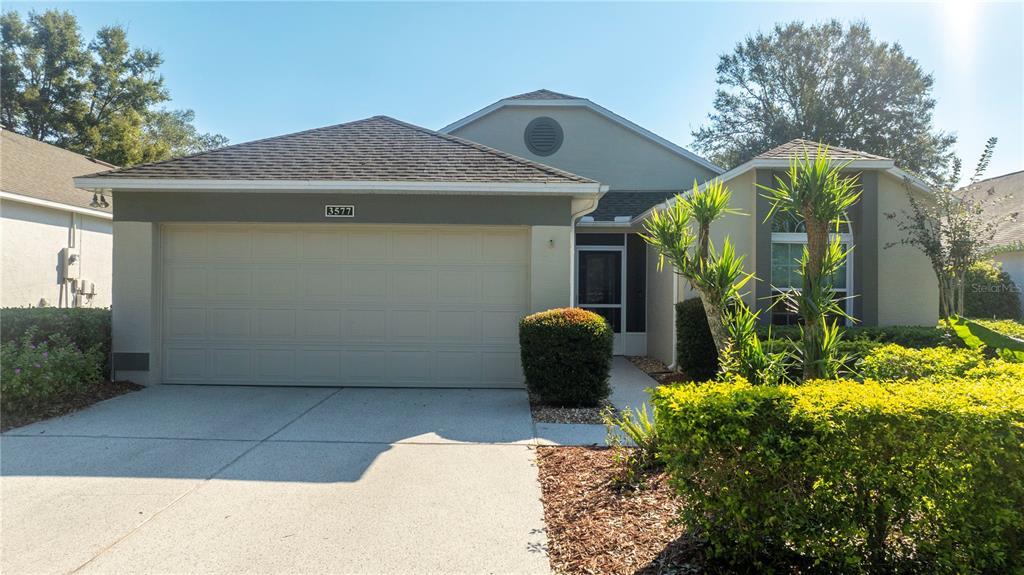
(567,356)
(990,293)
(696,355)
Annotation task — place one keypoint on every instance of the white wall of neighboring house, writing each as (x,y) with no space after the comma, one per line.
(31,239)
(1013,264)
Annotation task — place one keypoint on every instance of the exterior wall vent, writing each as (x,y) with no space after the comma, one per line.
(543,136)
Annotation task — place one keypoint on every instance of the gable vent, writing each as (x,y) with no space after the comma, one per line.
(543,136)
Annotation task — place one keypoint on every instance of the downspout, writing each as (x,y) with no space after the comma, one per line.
(580,208)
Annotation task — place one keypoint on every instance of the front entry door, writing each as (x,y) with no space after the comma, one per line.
(599,281)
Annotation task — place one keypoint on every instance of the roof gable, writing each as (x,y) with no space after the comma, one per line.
(799,148)
(545,97)
(377,149)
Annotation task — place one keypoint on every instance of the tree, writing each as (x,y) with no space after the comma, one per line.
(826,84)
(815,191)
(954,227)
(99,99)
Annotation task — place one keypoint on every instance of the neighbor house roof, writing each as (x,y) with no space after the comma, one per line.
(30,169)
(377,149)
(1010,226)
(799,148)
(548,98)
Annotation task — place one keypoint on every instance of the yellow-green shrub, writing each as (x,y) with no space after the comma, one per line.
(847,477)
(889,362)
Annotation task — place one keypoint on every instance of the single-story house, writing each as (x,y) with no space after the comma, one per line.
(1008,241)
(377,252)
(55,239)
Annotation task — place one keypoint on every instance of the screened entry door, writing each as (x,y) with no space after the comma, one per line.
(599,285)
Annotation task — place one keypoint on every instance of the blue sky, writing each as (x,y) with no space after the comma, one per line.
(252,70)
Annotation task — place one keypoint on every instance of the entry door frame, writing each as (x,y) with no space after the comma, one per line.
(621,250)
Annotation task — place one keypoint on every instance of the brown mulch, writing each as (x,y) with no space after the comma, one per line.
(69,404)
(594,526)
(658,370)
(549,414)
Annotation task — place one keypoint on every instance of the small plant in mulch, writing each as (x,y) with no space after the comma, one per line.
(633,439)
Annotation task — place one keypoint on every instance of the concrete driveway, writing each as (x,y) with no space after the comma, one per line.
(189,479)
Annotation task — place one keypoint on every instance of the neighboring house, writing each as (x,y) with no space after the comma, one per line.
(56,246)
(1008,242)
(381,253)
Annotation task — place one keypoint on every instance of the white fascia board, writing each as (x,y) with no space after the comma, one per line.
(886,165)
(308,186)
(600,110)
(55,205)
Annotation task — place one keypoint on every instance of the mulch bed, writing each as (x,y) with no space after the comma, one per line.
(548,414)
(594,526)
(658,371)
(69,404)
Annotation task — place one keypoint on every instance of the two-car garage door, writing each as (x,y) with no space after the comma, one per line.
(343,305)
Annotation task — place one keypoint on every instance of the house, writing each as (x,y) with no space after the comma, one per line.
(377,252)
(56,241)
(1008,241)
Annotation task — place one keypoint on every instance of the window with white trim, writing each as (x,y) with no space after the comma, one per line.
(789,237)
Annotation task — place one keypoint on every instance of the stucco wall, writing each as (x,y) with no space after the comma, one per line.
(907,290)
(593,146)
(550,267)
(660,310)
(1013,264)
(135,316)
(32,237)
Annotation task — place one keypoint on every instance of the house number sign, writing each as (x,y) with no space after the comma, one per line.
(340,211)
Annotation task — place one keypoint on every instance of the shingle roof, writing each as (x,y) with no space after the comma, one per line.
(39,170)
(798,148)
(1010,230)
(543,94)
(628,203)
(375,149)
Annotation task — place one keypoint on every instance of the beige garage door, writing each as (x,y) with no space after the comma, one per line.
(343,304)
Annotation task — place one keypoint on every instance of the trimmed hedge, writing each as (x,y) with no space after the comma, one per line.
(567,356)
(847,477)
(86,328)
(990,293)
(696,354)
(891,361)
(1006,327)
(907,336)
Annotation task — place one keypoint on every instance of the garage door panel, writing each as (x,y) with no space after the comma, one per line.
(230,323)
(230,364)
(344,305)
(230,283)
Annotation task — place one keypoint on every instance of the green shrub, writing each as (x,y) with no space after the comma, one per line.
(696,355)
(997,368)
(85,327)
(34,375)
(907,336)
(891,362)
(1006,327)
(990,292)
(566,356)
(827,477)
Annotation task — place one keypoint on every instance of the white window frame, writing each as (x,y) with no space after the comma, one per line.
(622,281)
(801,238)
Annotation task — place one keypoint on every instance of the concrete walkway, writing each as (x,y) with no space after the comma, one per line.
(629,391)
(188,479)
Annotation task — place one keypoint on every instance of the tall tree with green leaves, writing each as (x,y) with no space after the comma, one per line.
(827,83)
(102,99)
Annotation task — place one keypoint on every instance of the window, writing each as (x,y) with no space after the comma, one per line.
(787,249)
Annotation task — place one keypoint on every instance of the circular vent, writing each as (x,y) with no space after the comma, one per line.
(543,136)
